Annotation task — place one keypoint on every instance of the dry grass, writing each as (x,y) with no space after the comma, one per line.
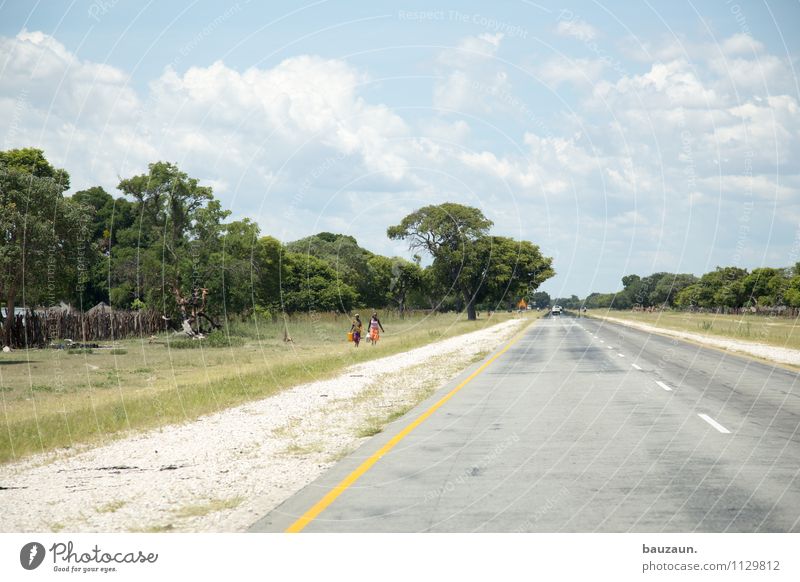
(112,506)
(51,399)
(776,331)
(212,506)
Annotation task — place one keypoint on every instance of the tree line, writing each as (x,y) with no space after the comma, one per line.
(165,241)
(723,288)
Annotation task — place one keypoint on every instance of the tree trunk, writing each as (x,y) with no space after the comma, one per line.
(8,324)
(471,314)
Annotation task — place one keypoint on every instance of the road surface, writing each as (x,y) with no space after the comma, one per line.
(579,426)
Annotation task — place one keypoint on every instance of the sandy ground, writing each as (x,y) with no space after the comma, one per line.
(224,471)
(767,352)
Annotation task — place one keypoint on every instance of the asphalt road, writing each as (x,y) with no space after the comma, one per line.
(581,426)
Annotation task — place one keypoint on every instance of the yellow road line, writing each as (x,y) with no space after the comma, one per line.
(331,496)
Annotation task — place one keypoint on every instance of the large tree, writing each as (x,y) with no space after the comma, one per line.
(310,284)
(466,260)
(448,233)
(512,269)
(42,234)
(369,274)
(178,227)
(110,217)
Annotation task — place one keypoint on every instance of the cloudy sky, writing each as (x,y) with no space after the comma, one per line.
(620,137)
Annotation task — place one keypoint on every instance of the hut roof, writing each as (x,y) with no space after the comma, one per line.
(101,307)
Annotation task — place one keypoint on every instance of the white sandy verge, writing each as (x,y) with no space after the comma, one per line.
(765,351)
(224,471)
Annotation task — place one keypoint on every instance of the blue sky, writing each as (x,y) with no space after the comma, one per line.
(619,137)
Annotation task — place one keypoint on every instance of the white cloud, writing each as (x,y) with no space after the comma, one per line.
(672,84)
(577,28)
(741,43)
(561,69)
(470,78)
(471,50)
(746,187)
(640,166)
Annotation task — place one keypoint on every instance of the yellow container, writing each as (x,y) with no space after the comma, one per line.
(349,336)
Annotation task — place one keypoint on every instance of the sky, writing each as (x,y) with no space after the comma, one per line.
(620,137)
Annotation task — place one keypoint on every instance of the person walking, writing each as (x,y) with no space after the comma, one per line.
(374,325)
(356,329)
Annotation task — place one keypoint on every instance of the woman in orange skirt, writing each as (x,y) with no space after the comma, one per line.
(374,325)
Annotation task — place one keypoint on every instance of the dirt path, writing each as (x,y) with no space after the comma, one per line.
(765,351)
(223,471)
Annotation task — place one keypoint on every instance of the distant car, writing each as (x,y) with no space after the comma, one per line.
(556,310)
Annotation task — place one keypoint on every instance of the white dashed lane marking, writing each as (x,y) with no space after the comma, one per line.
(664,386)
(714,423)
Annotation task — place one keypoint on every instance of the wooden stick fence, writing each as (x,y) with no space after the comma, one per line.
(40,329)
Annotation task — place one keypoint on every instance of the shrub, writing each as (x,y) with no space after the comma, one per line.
(216,339)
(75,351)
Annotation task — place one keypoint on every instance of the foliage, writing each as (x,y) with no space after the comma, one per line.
(215,339)
(467,262)
(310,284)
(722,288)
(539,299)
(43,245)
(165,237)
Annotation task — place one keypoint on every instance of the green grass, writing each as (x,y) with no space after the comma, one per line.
(775,331)
(216,339)
(91,397)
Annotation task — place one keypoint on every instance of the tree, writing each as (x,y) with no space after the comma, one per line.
(110,216)
(267,273)
(668,287)
(449,233)
(230,273)
(792,292)
(39,230)
(31,162)
(406,277)
(765,286)
(694,295)
(513,269)
(632,293)
(722,287)
(178,226)
(354,265)
(599,300)
(469,263)
(310,284)
(571,302)
(539,299)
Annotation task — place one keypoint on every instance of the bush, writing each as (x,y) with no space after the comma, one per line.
(75,351)
(216,339)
